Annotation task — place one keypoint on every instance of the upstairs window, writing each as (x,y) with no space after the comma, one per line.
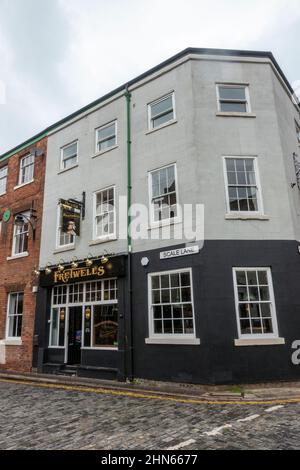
(161,111)
(243,191)
(3,179)
(105,213)
(163,194)
(69,156)
(233,98)
(106,137)
(26,169)
(20,235)
(63,238)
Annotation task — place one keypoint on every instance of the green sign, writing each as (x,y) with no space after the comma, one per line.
(6,215)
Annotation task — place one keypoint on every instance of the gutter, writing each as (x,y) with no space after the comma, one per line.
(129,335)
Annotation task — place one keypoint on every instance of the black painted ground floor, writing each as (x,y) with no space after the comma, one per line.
(229,313)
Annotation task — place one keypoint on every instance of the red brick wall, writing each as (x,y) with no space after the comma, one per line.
(16,275)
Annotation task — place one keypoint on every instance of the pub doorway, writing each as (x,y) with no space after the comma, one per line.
(74,335)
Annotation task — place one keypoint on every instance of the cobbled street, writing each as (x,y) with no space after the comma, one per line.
(32,417)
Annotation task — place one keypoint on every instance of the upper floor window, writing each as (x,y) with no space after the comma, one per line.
(163,194)
(14,315)
(104,213)
(106,136)
(20,235)
(255,305)
(3,179)
(26,169)
(161,111)
(69,155)
(233,98)
(242,186)
(63,238)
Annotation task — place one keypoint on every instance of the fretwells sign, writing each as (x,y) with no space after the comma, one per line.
(115,267)
(74,274)
(70,217)
(187,250)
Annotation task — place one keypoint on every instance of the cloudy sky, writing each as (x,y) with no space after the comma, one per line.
(58,55)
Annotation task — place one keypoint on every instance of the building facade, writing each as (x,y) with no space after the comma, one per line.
(22,174)
(219,304)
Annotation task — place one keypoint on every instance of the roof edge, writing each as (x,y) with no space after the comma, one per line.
(174,58)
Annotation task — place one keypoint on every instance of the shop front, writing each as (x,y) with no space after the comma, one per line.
(80,319)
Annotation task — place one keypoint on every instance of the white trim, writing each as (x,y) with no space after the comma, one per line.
(7,337)
(4,178)
(67,169)
(101,348)
(67,246)
(106,237)
(172,340)
(20,184)
(234,85)
(17,341)
(158,100)
(23,184)
(242,214)
(61,167)
(261,336)
(259,342)
(155,338)
(234,114)
(21,255)
(160,223)
(108,124)
(98,154)
(246,216)
(13,251)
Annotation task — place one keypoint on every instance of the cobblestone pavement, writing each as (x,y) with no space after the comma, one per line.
(43,418)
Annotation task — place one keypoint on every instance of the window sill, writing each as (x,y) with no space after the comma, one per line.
(67,169)
(237,216)
(166,124)
(175,340)
(64,248)
(21,255)
(229,114)
(23,184)
(2,194)
(164,223)
(11,342)
(103,240)
(100,348)
(98,154)
(259,342)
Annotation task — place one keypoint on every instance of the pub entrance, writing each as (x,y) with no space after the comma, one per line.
(74,335)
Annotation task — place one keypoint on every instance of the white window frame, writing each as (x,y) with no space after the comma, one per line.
(260,205)
(67,305)
(15,227)
(158,223)
(62,168)
(110,235)
(149,106)
(8,316)
(234,85)
(4,169)
(297,132)
(58,232)
(20,182)
(275,333)
(170,338)
(115,122)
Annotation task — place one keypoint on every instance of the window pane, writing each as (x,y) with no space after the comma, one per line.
(232,93)
(105,328)
(69,151)
(227,107)
(161,107)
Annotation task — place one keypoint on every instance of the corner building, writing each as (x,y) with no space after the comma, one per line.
(212,127)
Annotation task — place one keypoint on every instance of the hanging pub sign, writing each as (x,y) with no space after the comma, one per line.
(70,216)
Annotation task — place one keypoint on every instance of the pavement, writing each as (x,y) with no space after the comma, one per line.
(61,413)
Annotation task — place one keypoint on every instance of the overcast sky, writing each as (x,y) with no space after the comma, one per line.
(58,55)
